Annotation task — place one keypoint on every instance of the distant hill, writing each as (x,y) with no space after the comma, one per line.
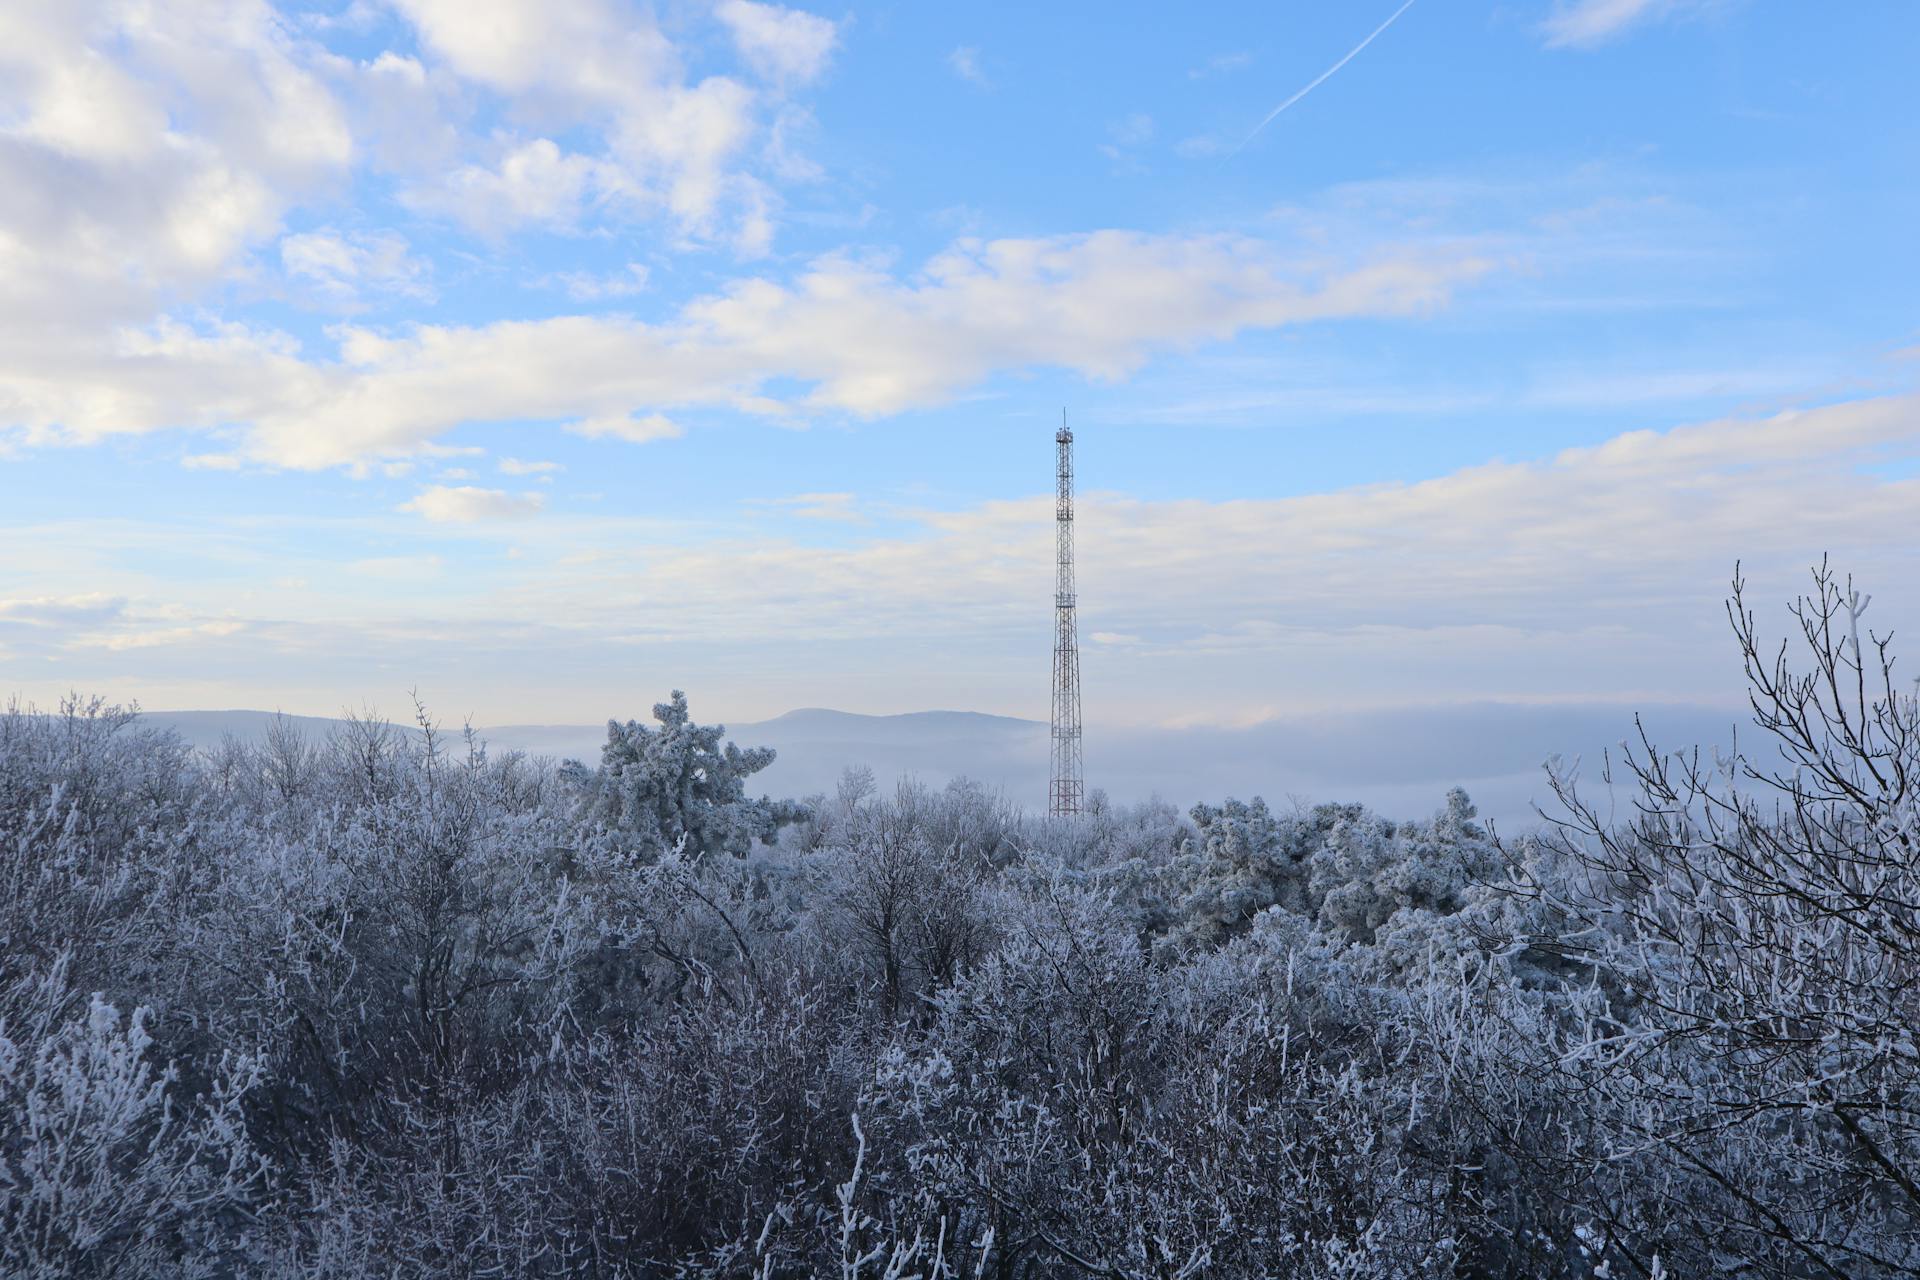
(1401,762)
(815,746)
(204,730)
(820,724)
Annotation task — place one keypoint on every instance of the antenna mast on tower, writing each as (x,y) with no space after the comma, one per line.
(1065,788)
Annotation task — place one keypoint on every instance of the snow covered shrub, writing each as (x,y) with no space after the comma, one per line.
(912,896)
(101,825)
(964,820)
(1241,1112)
(391,946)
(659,1151)
(1150,831)
(104,1169)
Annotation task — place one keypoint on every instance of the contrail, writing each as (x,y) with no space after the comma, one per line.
(1322,77)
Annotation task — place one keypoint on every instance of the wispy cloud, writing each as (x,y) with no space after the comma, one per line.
(1618,534)
(1220,64)
(965,63)
(518,467)
(839,507)
(343,266)
(1496,571)
(786,45)
(1200,146)
(585,286)
(1582,24)
(466,504)
(1127,136)
(397,568)
(1133,130)
(632,428)
(62,625)
(61,611)
(153,637)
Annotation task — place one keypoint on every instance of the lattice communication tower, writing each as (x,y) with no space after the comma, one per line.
(1065,788)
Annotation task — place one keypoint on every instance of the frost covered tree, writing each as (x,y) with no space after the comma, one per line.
(1745,1050)
(1352,870)
(1370,874)
(1242,859)
(679,782)
(908,886)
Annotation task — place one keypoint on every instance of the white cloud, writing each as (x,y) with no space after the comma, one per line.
(782,44)
(144,149)
(340,266)
(965,62)
(1587,572)
(407,119)
(52,625)
(584,286)
(465,504)
(1586,23)
(667,143)
(1636,535)
(530,184)
(838,507)
(116,208)
(859,339)
(517,467)
(148,638)
(789,163)
(149,153)
(62,612)
(630,428)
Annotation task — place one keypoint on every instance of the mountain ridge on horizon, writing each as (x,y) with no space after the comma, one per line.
(1398,761)
(797,713)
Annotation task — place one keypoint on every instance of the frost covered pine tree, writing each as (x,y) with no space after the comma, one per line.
(679,783)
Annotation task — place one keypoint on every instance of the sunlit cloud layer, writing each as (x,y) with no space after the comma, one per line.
(1624,545)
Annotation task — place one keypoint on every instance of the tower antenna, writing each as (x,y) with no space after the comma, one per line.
(1065,787)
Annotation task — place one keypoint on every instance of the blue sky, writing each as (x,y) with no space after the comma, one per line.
(543,357)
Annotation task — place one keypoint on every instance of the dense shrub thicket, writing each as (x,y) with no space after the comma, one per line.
(389,1006)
